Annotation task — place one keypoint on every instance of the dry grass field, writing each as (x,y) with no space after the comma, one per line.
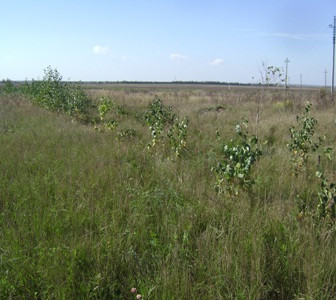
(89,210)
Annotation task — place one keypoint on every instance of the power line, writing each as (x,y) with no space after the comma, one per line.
(317,40)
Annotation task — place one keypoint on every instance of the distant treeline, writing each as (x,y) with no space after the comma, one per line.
(169,82)
(125,82)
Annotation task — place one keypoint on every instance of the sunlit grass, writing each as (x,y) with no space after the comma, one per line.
(85,215)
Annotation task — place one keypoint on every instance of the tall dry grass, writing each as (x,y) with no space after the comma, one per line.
(85,215)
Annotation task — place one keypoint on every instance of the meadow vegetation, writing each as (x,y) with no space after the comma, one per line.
(182,192)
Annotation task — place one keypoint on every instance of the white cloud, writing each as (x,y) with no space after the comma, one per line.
(177,56)
(101,50)
(216,62)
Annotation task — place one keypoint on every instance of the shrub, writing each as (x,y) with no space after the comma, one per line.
(157,117)
(9,87)
(238,156)
(160,120)
(302,143)
(53,94)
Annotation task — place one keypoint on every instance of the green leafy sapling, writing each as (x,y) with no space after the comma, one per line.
(271,75)
(157,117)
(177,135)
(233,172)
(302,144)
(105,105)
(164,125)
(326,209)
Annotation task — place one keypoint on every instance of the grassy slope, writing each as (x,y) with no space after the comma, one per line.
(84,215)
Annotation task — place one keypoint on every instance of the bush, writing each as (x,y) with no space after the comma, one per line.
(160,120)
(53,94)
(8,87)
(233,172)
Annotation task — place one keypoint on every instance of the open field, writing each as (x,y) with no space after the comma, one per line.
(89,211)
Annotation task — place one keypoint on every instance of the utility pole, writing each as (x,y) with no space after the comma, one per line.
(286,79)
(325,80)
(333,69)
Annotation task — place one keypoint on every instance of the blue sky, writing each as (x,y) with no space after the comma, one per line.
(161,40)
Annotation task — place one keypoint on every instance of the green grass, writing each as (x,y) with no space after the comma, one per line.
(85,215)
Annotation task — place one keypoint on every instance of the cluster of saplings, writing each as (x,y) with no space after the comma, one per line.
(133,215)
(232,173)
(54,94)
